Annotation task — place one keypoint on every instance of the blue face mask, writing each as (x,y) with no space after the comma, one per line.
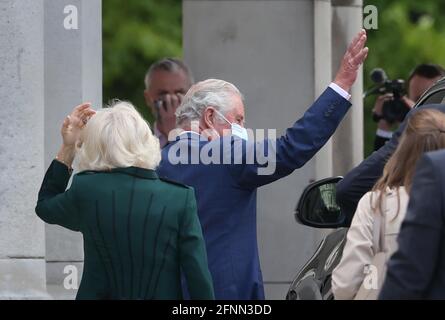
(235,128)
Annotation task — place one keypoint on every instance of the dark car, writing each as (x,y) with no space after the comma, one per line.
(318,208)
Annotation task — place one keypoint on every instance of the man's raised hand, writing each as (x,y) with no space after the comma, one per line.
(351,62)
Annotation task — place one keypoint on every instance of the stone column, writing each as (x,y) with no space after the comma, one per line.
(267,49)
(322,75)
(22,233)
(51,60)
(347,20)
(73,74)
(279,54)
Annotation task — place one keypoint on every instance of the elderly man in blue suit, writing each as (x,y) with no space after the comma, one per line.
(212,153)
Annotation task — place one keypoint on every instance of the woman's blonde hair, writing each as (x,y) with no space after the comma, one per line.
(424,132)
(117,137)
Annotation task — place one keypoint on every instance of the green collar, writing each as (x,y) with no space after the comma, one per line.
(137,172)
(132,171)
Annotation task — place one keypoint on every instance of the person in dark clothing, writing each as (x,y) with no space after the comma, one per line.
(362,178)
(417,268)
(139,231)
(211,120)
(421,78)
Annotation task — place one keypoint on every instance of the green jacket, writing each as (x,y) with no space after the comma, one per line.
(139,232)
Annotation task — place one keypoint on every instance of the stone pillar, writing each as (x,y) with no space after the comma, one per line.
(267,49)
(279,54)
(73,74)
(51,60)
(22,233)
(347,20)
(322,71)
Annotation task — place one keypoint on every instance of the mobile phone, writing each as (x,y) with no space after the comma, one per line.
(158,103)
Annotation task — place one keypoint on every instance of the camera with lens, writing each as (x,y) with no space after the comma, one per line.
(393,110)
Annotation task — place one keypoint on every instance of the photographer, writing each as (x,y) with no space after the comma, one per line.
(166,82)
(421,78)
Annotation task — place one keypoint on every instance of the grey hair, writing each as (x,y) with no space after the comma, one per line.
(212,92)
(170,65)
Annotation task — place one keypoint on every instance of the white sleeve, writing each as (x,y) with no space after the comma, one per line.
(340,90)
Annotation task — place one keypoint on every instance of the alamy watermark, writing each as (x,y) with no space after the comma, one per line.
(371,280)
(71,21)
(370,17)
(71,281)
(260,149)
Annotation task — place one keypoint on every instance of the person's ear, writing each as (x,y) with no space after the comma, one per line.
(148,98)
(209,117)
(149,101)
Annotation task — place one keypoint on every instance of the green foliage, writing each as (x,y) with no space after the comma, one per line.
(409,32)
(135,34)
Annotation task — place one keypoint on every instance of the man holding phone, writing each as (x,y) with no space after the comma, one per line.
(166,82)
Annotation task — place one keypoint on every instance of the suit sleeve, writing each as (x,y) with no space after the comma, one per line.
(55,205)
(362,178)
(272,159)
(411,268)
(193,255)
(379,142)
(348,276)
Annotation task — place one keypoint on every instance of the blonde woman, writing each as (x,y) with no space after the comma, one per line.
(139,231)
(425,131)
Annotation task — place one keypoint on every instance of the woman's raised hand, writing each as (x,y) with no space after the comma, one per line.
(73,123)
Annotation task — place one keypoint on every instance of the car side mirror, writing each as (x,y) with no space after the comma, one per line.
(318,206)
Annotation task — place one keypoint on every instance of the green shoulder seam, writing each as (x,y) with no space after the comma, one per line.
(174,182)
